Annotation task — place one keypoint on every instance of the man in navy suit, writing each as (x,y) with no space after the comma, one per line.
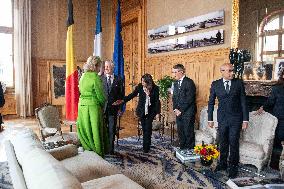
(184,106)
(114,90)
(232,116)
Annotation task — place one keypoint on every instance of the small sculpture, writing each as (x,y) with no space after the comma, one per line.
(237,59)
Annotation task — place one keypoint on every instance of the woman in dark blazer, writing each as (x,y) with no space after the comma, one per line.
(276,101)
(148,106)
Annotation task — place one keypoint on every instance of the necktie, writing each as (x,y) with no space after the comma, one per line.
(108,84)
(227,87)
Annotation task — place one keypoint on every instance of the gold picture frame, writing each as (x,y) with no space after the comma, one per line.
(278,65)
(57,74)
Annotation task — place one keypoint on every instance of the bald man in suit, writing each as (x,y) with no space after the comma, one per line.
(232,116)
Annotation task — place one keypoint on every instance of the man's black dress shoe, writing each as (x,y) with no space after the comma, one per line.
(146,151)
(233,172)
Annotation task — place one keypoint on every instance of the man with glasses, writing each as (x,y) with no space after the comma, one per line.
(184,106)
(232,115)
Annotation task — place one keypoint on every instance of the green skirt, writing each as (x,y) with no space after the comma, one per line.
(91,129)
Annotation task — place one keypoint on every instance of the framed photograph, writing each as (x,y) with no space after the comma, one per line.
(57,75)
(279,64)
(201,22)
(215,37)
(257,71)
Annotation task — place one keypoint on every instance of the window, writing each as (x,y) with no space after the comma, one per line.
(6,43)
(271,37)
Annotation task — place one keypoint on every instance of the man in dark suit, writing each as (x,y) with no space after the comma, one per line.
(232,115)
(184,106)
(114,90)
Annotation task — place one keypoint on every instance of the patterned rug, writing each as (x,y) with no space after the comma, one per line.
(147,168)
(5,180)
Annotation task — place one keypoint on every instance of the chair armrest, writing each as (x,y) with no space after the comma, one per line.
(268,146)
(64,152)
(282,153)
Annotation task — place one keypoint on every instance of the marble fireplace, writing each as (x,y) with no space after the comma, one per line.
(257,93)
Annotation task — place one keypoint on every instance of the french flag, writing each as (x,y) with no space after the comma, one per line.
(98,32)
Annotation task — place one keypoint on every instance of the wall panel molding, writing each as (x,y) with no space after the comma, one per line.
(202,67)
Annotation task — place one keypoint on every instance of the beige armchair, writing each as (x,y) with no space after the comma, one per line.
(256,142)
(50,125)
(205,133)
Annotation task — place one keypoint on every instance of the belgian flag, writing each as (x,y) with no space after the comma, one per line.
(71,85)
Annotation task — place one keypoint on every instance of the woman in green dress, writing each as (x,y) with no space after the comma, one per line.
(91,129)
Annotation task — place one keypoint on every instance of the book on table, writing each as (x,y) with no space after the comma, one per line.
(187,155)
(255,183)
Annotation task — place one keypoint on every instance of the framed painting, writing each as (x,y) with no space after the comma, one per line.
(57,75)
(278,66)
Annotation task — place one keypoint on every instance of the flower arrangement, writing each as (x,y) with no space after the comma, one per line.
(208,152)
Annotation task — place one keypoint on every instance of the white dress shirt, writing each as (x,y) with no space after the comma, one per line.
(225,83)
(111,78)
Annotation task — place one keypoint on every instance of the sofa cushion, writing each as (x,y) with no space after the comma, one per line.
(24,142)
(15,170)
(117,181)
(42,171)
(64,152)
(252,150)
(88,165)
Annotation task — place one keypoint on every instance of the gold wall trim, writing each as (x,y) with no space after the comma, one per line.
(235,24)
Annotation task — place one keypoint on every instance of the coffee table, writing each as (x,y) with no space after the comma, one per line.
(208,171)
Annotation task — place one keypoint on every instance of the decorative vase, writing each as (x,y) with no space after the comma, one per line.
(205,162)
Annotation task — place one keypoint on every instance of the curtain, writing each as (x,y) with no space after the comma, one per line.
(22,57)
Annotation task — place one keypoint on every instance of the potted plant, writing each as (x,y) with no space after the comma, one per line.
(165,84)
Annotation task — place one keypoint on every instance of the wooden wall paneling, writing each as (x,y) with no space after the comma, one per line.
(40,82)
(49,35)
(132,27)
(10,104)
(201,67)
(127,37)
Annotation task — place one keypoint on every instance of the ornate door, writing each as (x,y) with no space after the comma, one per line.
(131,63)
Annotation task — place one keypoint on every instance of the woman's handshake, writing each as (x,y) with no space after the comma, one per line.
(118,102)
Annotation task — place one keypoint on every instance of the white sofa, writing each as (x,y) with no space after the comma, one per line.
(32,167)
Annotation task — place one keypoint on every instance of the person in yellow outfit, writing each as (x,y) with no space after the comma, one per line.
(90,123)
